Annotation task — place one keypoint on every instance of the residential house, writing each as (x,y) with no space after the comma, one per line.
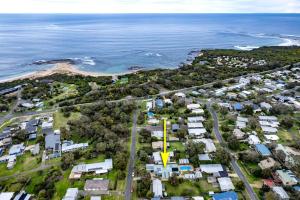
(53,143)
(163,172)
(98,168)
(71,194)
(209,144)
(225,184)
(280,193)
(238,134)
(159,103)
(265,106)
(6,195)
(289,154)
(269,130)
(97,186)
(157,157)
(22,196)
(157,134)
(267,163)
(180,94)
(287,177)
(193,106)
(225,196)
(238,106)
(197,132)
(157,188)
(175,127)
(204,157)
(217,170)
(262,150)
(17,149)
(68,146)
(253,140)
(196,119)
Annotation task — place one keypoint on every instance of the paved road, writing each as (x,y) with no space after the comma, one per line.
(9,115)
(234,164)
(12,115)
(132,158)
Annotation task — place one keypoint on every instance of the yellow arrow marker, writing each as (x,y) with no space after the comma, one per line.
(165,154)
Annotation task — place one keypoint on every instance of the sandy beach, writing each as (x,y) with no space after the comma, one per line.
(61,68)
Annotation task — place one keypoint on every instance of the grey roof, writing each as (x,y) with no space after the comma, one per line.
(52,141)
(100,185)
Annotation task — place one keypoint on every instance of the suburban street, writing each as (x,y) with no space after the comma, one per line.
(132,158)
(234,164)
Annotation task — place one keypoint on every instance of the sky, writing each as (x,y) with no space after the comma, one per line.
(149,6)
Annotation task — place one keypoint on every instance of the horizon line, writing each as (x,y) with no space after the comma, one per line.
(242,13)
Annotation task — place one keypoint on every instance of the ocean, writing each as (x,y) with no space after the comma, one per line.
(112,43)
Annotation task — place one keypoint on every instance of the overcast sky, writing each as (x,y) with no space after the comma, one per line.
(149,6)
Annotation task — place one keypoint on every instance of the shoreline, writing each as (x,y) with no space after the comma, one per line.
(62,68)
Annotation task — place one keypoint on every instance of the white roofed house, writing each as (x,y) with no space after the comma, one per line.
(241,122)
(71,194)
(199,111)
(157,157)
(197,132)
(98,168)
(196,119)
(193,106)
(238,134)
(269,130)
(17,149)
(157,188)
(281,193)
(195,125)
(253,140)
(209,144)
(268,118)
(225,184)
(265,105)
(157,134)
(180,94)
(68,146)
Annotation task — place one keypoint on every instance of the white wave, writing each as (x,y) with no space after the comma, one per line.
(88,61)
(153,54)
(246,48)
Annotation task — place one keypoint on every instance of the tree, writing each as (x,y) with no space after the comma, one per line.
(240,185)
(248,110)
(67,160)
(253,123)
(100,147)
(233,143)
(120,161)
(223,110)
(65,134)
(143,185)
(181,133)
(287,122)
(173,180)
(222,156)
(281,109)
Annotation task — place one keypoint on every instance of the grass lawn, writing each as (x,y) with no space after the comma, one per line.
(183,189)
(61,121)
(177,146)
(250,177)
(25,162)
